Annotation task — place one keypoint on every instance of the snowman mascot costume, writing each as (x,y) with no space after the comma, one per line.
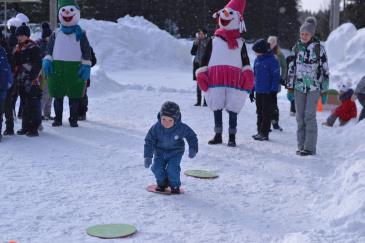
(226,76)
(68,61)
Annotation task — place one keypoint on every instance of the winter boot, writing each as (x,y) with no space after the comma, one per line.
(175,190)
(73,122)
(306,153)
(275,125)
(205,103)
(160,188)
(32,133)
(217,139)
(261,137)
(21,132)
(56,123)
(198,103)
(232,140)
(9,132)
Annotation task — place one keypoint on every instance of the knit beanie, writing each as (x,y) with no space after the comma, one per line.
(170,109)
(309,26)
(22,30)
(261,46)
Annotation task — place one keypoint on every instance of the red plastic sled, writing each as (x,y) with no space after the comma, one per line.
(152,188)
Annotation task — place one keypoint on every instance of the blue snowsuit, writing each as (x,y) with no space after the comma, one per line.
(167,146)
(6,80)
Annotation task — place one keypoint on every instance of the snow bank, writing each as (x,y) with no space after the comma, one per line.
(346,53)
(346,210)
(135,43)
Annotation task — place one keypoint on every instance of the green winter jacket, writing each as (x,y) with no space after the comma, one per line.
(309,71)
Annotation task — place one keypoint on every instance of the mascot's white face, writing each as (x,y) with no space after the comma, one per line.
(228,19)
(69,15)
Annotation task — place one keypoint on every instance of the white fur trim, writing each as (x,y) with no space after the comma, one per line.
(247,67)
(201,70)
(87,62)
(48,57)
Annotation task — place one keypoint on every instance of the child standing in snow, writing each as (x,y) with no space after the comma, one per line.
(165,142)
(267,76)
(346,110)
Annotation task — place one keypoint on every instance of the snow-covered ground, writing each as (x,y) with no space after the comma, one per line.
(55,186)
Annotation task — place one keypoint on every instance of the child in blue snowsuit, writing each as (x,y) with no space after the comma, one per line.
(6,80)
(165,142)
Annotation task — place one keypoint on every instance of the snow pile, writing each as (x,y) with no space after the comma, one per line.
(346,53)
(135,43)
(346,210)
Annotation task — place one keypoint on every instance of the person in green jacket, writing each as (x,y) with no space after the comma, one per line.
(273,41)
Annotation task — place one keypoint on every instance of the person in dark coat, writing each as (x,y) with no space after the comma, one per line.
(28,64)
(198,49)
(6,80)
(46,102)
(267,77)
(165,142)
(84,101)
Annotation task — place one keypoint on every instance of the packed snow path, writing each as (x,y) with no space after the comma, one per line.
(57,185)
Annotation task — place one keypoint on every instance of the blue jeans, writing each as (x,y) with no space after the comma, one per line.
(167,170)
(218,122)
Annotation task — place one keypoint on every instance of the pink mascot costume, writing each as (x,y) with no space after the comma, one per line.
(226,76)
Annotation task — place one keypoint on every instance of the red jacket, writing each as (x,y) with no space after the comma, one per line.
(347,109)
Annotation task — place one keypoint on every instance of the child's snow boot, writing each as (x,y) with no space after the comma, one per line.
(56,123)
(232,140)
(217,139)
(175,190)
(275,125)
(261,137)
(73,122)
(160,188)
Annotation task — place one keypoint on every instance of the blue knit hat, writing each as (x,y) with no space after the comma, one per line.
(261,46)
(170,109)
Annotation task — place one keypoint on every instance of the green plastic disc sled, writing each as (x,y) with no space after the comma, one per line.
(201,174)
(111,231)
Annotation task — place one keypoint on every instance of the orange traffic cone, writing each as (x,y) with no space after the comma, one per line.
(319,105)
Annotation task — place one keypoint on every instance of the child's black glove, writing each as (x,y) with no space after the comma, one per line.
(252,96)
(147,162)
(192,153)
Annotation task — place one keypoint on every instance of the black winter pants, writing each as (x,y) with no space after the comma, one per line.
(275,108)
(31,112)
(9,107)
(2,105)
(84,102)
(264,113)
(74,108)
